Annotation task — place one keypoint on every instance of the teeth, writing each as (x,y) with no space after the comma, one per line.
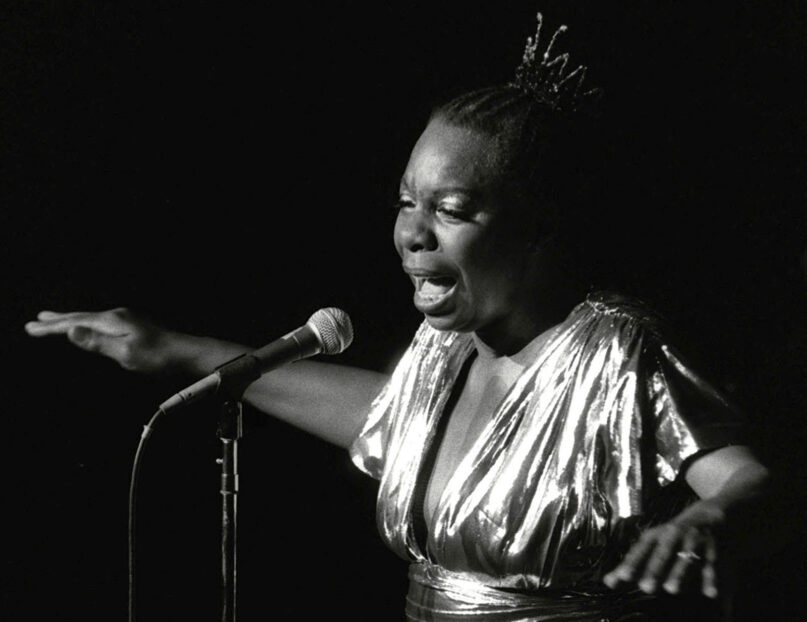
(432,288)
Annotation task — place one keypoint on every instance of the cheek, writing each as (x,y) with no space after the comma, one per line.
(480,269)
(492,268)
(480,254)
(396,235)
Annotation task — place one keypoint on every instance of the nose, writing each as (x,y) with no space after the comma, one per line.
(414,231)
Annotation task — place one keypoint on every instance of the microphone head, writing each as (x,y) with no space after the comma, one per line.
(334,328)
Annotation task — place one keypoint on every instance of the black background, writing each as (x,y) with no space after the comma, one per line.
(227,170)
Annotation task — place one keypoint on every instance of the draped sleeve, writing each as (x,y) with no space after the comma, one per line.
(677,413)
(368,451)
(410,401)
(689,415)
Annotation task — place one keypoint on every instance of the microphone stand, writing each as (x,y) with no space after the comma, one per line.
(230,428)
(229,431)
(229,382)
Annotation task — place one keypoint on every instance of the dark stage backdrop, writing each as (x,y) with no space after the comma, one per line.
(228,170)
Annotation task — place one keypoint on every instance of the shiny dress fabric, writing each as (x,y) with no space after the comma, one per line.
(582,452)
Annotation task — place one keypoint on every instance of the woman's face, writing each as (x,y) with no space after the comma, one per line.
(464,246)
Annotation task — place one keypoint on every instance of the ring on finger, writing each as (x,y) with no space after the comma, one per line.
(689,556)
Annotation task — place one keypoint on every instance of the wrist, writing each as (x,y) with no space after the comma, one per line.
(703,513)
(182,354)
(197,356)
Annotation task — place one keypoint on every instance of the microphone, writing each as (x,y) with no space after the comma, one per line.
(328,331)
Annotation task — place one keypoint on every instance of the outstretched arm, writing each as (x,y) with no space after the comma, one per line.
(327,400)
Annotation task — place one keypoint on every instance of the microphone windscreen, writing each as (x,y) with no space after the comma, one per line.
(335,329)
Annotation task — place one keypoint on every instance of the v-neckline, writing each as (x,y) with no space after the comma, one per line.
(425,472)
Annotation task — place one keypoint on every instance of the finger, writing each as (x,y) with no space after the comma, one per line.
(682,574)
(662,557)
(634,559)
(48,315)
(53,316)
(93,341)
(104,322)
(684,567)
(709,573)
(709,581)
(40,329)
(48,327)
(84,338)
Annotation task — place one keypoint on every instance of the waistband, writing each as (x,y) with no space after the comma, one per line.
(437,594)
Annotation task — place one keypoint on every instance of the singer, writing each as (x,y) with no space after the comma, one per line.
(536,443)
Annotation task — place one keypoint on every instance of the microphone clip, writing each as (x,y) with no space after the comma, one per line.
(236,375)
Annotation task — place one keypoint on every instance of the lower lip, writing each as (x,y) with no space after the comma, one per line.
(434,305)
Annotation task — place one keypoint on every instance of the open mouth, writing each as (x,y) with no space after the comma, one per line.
(434,287)
(433,290)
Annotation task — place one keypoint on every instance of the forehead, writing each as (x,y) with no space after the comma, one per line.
(448,155)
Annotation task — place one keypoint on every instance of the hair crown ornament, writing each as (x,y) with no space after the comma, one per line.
(548,80)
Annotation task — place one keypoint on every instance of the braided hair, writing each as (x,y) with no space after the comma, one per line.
(549,146)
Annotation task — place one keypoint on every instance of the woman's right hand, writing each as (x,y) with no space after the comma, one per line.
(132,341)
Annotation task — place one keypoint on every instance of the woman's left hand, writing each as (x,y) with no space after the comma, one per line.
(679,556)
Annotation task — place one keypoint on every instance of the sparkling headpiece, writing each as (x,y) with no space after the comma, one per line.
(547,79)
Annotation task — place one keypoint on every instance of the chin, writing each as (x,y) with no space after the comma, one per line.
(449,322)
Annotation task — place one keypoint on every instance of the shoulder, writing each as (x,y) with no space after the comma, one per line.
(606,303)
(607,313)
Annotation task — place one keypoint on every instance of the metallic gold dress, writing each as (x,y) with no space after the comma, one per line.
(582,452)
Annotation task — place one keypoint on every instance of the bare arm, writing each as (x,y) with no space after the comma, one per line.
(690,551)
(327,400)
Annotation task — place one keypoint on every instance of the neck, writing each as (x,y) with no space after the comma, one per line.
(517,337)
(517,344)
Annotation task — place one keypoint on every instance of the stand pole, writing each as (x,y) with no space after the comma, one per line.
(229,432)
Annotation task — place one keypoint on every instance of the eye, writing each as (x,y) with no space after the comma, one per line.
(453,210)
(403,203)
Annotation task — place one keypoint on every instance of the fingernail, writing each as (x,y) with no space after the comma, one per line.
(647,585)
(710,592)
(671,587)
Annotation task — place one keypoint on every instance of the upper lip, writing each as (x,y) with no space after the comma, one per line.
(423,273)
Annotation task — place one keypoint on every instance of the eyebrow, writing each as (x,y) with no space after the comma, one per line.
(441,192)
(444,192)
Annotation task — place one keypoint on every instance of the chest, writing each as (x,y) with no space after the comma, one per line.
(473,405)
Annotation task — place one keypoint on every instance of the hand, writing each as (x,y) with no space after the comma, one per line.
(678,556)
(133,342)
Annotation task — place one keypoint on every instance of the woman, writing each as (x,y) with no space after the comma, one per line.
(531,448)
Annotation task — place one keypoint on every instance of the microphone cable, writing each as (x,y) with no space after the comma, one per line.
(147,430)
